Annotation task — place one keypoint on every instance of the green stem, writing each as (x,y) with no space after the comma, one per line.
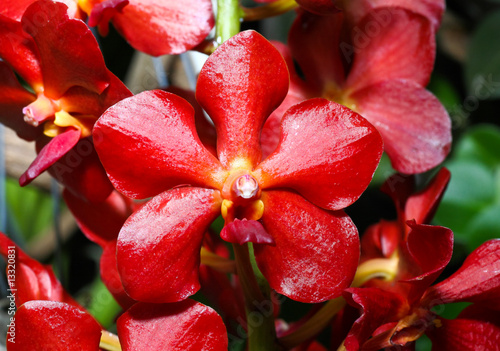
(228,20)
(258,306)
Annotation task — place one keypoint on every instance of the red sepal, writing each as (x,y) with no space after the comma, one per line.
(323,144)
(181,326)
(52,152)
(246,231)
(158,251)
(477,280)
(33,280)
(476,328)
(239,86)
(63,63)
(14,9)
(165,27)
(415,143)
(54,326)
(380,240)
(402,48)
(316,252)
(429,250)
(155,132)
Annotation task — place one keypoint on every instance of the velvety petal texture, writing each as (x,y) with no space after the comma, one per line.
(54,326)
(239,86)
(327,153)
(316,252)
(158,251)
(416,129)
(393,44)
(186,325)
(159,27)
(155,132)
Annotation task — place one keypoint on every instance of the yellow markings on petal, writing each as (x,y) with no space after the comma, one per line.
(334,93)
(87,5)
(257,210)
(64,119)
(226,207)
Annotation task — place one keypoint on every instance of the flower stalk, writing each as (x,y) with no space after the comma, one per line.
(269,10)
(229,15)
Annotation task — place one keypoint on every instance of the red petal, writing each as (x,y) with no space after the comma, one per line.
(478,280)
(205,129)
(323,145)
(81,172)
(377,307)
(69,53)
(33,280)
(54,326)
(186,325)
(314,42)
(395,44)
(19,51)
(100,222)
(15,9)
(165,27)
(415,126)
(321,7)
(316,252)
(239,86)
(53,151)
(422,205)
(155,132)
(474,329)
(158,251)
(246,231)
(431,9)
(381,240)
(13,97)
(429,251)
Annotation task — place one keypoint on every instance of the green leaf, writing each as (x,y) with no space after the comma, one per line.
(482,69)
(471,204)
(30,209)
(101,304)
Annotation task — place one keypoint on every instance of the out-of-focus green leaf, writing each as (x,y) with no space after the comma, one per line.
(29,209)
(101,304)
(471,204)
(444,91)
(482,69)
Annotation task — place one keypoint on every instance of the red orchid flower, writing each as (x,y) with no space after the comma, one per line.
(395,322)
(389,59)
(71,87)
(47,318)
(156,27)
(288,205)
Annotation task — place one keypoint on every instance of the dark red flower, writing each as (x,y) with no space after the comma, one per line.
(325,160)
(378,68)
(60,60)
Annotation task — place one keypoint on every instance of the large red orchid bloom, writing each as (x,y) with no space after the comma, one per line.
(60,60)
(47,318)
(394,322)
(288,205)
(389,56)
